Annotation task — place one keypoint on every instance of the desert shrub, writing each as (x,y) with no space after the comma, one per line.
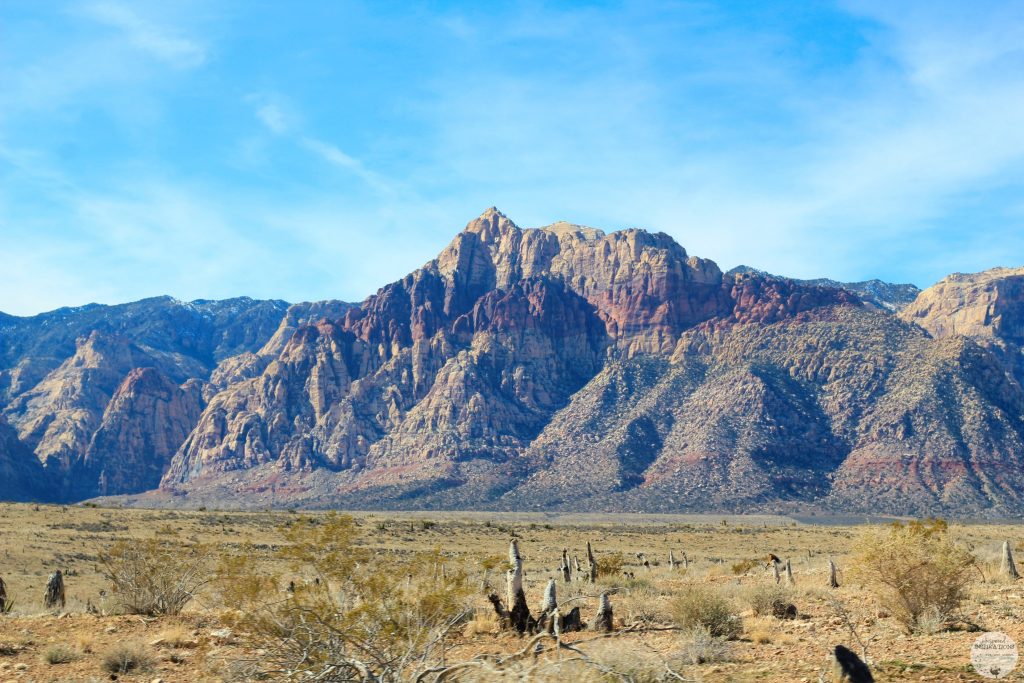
(624,661)
(59,654)
(351,615)
(915,571)
(641,603)
(152,577)
(702,606)
(763,598)
(700,646)
(610,564)
(744,566)
(127,657)
(177,636)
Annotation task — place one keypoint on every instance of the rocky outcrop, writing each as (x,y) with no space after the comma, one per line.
(886,296)
(143,426)
(986,304)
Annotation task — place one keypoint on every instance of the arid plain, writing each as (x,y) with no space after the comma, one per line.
(727,553)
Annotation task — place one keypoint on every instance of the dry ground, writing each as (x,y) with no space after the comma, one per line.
(35,540)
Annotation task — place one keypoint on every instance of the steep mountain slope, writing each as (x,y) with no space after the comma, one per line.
(60,370)
(144,423)
(476,349)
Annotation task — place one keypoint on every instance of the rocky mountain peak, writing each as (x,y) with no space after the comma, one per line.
(985,304)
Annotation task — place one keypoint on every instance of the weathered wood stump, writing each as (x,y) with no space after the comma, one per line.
(565,568)
(519,612)
(604,618)
(832,581)
(591,564)
(548,617)
(789,574)
(775,570)
(1007,567)
(572,621)
(54,591)
(504,618)
(671,561)
(846,666)
(5,603)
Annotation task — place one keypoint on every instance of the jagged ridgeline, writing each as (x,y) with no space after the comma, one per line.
(551,368)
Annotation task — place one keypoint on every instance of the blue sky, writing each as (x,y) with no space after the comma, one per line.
(309,150)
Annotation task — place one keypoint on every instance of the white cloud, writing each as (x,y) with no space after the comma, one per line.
(273,118)
(158,41)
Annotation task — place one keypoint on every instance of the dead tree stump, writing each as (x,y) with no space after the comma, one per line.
(846,666)
(832,581)
(548,617)
(671,561)
(591,564)
(789,574)
(603,619)
(572,621)
(565,568)
(775,570)
(5,603)
(54,591)
(519,612)
(1007,567)
(504,618)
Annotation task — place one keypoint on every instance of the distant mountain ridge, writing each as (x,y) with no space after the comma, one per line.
(888,295)
(550,368)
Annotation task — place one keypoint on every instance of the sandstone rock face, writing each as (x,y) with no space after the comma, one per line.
(986,304)
(59,415)
(143,425)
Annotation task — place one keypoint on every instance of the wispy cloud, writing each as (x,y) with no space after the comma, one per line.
(279,118)
(159,41)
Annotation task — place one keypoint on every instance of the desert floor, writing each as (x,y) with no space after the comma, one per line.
(727,552)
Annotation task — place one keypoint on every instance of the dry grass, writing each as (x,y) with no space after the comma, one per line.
(84,642)
(704,606)
(60,654)
(767,649)
(128,657)
(177,635)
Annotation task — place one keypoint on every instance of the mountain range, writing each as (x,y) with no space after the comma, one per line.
(556,368)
